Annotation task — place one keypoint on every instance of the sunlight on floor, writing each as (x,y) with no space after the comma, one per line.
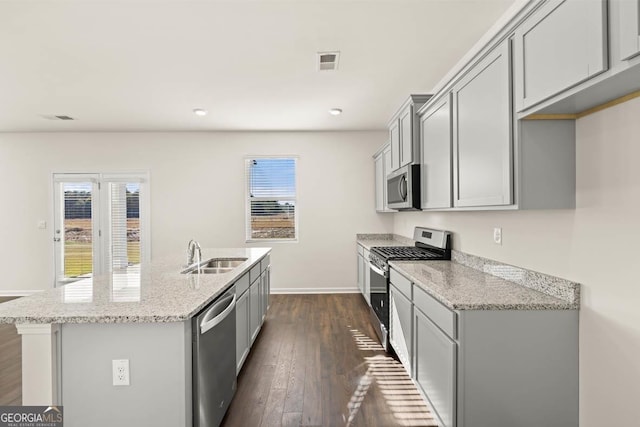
(400,394)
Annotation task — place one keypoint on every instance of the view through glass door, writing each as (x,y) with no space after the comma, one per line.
(98,225)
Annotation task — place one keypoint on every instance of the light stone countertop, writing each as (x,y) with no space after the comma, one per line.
(368,241)
(150,293)
(463,288)
(469,282)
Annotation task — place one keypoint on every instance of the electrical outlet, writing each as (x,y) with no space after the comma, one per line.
(497,236)
(120,372)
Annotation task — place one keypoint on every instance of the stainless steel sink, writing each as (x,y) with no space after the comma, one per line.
(222,263)
(214,266)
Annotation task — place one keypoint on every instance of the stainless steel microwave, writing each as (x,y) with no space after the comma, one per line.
(403,188)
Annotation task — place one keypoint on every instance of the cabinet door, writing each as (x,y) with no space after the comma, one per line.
(436,138)
(406,136)
(361,274)
(482,133)
(400,325)
(255,309)
(394,136)
(629,31)
(242,330)
(366,289)
(435,367)
(267,295)
(386,155)
(564,43)
(380,182)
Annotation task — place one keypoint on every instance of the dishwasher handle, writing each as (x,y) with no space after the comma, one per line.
(208,323)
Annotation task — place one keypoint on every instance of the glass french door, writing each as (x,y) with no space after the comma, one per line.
(97,225)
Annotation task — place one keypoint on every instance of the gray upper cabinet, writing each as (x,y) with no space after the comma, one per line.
(394,137)
(482,132)
(561,45)
(382,166)
(405,134)
(436,136)
(629,28)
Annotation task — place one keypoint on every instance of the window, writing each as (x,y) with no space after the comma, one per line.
(99,224)
(271,198)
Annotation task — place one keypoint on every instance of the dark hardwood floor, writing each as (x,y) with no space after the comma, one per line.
(316,363)
(10,364)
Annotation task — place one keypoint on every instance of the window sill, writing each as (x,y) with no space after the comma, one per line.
(271,240)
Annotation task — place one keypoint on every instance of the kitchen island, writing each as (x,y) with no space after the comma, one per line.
(71,335)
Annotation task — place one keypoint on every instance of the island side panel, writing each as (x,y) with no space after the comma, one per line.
(518,367)
(159,357)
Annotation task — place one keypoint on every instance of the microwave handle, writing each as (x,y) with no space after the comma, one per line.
(402,188)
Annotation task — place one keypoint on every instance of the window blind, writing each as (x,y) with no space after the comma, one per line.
(271,198)
(77,230)
(124,200)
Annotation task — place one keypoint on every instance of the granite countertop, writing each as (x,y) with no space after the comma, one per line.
(469,282)
(150,293)
(464,288)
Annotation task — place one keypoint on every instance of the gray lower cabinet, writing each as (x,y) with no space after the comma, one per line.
(360,261)
(629,28)
(486,367)
(400,326)
(266,290)
(435,367)
(366,286)
(243,343)
(482,133)
(255,308)
(436,139)
(561,45)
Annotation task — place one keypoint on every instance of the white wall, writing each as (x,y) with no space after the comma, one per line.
(597,244)
(197,191)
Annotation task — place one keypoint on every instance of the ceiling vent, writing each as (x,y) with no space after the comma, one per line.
(328,61)
(54,117)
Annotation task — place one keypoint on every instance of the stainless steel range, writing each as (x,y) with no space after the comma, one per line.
(429,245)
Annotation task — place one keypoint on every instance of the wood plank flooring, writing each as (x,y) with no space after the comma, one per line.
(10,364)
(316,363)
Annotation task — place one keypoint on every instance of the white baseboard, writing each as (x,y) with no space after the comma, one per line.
(20,293)
(315,290)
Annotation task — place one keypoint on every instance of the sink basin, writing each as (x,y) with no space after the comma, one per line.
(214,266)
(223,263)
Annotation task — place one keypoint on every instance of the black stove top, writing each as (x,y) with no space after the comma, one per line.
(409,253)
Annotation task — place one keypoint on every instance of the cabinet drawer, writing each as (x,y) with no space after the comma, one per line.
(254,273)
(265,262)
(444,318)
(402,283)
(242,284)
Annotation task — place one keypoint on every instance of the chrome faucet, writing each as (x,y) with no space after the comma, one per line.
(193,249)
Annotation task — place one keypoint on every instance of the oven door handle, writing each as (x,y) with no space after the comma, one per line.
(377,270)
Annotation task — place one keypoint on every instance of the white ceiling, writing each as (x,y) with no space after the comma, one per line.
(134,65)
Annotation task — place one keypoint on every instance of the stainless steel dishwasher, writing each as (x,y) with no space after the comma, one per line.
(214,360)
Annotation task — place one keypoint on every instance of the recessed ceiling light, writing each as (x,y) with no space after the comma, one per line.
(200,112)
(335,111)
